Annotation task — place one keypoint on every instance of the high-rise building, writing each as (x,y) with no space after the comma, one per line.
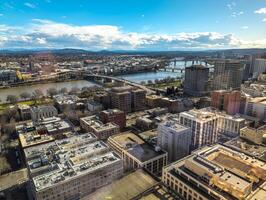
(115,116)
(227,75)
(196,80)
(217,172)
(138,99)
(71,168)
(259,67)
(204,126)
(175,139)
(127,98)
(227,100)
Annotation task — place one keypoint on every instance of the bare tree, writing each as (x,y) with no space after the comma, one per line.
(25,95)
(52,91)
(12,98)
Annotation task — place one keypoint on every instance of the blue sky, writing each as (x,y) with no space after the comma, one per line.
(133,24)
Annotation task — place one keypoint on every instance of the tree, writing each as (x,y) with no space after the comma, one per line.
(143,82)
(51,92)
(12,98)
(149,81)
(63,90)
(25,95)
(74,90)
(37,94)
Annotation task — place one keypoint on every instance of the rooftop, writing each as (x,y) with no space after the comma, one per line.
(140,181)
(136,146)
(221,168)
(175,126)
(199,114)
(63,160)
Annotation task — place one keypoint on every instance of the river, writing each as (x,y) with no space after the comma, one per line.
(43,87)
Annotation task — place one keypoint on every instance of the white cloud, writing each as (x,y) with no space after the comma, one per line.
(45,33)
(236,14)
(244,27)
(264,20)
(30,5)
(1,14)
(260,11)
(231,5)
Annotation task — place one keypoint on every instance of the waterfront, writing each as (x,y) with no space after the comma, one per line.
(43,87)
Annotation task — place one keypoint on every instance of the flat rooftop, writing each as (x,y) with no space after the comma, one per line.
(140,181)
(202,115)
(136,146)
(13,179)
(223,168)
(63,160)
(173,125)
(33,138)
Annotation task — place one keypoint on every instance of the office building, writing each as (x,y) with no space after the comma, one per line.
(94,106)
(138,99)
(227,100)
(227,75)
(196,80)
(136,153)
(115,116)
(8,76)
(259,67)
(40,112)
(175,139)
(204,126)
(153,101)
(255,135)
(121,98)
(101,130)
(127,98)
(256,107)
(71,168)
(217,172)
(24,111)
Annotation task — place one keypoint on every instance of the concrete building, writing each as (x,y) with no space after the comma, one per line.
(8,76)
(71,168)
(217,172)
(121,98)
(115,116)
(256,107)
(66,102)
(259,67)
(226,100)
(94,106)
(102,131)
(175,139)
(24,111)
(138,99)
(127,98)
(40,112)
(196,80)
(227,75)
(204,125)
(136,153)
(255,135)
(153,101)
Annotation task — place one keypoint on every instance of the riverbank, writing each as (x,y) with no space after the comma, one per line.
(175,83)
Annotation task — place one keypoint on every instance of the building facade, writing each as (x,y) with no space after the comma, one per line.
(115,116)
(196,80)
(175,139)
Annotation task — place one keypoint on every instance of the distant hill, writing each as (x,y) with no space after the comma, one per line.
(225,52)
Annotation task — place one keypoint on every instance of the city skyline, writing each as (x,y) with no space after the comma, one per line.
(132,25)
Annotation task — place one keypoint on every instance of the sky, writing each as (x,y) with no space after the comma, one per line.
(133,24)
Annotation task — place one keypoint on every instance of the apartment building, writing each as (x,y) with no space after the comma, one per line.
(203,124)
(136,153)
(217,173)
(256,107)
(115,116)
(255,135)
(71,168)
(101,130)
(175,139)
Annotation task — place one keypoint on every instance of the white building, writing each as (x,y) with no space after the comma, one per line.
(204,125)
(256,107)
(94,106)
(71,168)
(259,67)
(40,112)
(175,139)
